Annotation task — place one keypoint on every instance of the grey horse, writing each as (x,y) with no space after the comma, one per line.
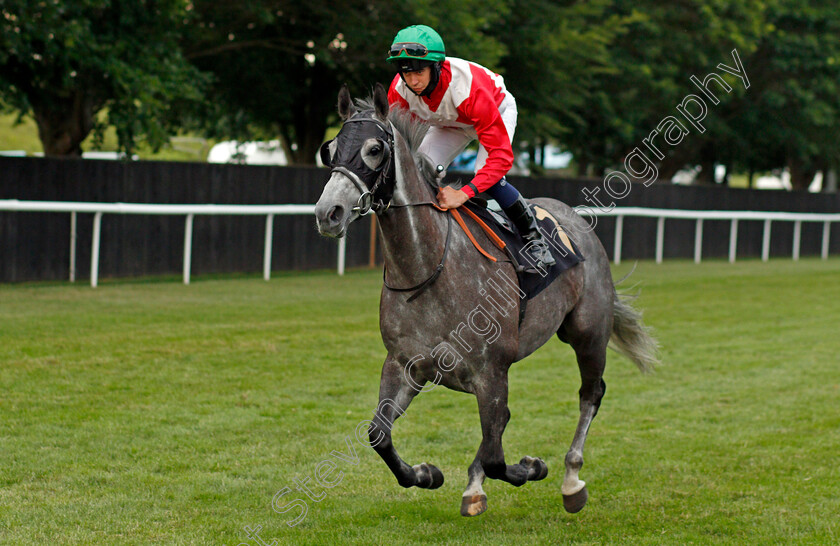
(455,321)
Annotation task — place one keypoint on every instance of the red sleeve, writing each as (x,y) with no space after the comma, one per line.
(394,98)
(481,110)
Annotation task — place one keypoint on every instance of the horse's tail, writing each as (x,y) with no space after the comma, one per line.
(631,337)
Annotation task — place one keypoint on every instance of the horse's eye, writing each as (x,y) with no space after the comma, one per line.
(376,150)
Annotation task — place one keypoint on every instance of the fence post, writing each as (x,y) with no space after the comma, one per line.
(619,234)
(765,243)
(73,237)
(733,240)
(661,216)
(269,242)
(94,250)
(826,235)
(188,229)
(660,238)
(698,240)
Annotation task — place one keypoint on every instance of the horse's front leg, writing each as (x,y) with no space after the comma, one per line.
(395,394)
(490,459)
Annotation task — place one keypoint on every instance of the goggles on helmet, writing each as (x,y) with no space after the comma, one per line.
(411,49)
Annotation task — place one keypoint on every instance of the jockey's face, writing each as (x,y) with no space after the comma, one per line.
(418,80)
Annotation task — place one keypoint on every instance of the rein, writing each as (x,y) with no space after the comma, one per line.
(420,288)
(366,204)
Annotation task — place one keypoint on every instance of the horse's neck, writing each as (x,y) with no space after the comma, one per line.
(412,237)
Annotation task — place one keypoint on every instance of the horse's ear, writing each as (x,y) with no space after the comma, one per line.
(380,101)
(345,103)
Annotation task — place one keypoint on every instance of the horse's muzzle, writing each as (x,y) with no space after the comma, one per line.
(331,219)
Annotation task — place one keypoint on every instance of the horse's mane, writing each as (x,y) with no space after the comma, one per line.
(413,130)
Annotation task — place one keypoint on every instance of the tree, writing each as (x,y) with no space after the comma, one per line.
(64,62)
(787,117)
(651,61)
(555,53)
(794,112)
(278,65)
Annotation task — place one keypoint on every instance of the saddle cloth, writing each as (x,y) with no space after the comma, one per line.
(564,250)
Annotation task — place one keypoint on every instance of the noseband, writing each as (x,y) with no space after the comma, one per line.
(385,172)
(367,200)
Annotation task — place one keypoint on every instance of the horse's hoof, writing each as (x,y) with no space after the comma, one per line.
(537,469)
(473,505)
(575,502)
(428,476)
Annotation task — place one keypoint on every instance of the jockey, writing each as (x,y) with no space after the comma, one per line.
(463,101)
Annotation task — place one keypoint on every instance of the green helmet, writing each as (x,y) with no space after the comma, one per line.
(417,43)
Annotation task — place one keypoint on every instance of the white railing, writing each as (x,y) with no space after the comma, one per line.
(190,211)
(269,211)
(733,216)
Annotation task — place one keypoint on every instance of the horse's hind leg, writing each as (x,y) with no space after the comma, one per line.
(490,459)
(395,394)
(591,356)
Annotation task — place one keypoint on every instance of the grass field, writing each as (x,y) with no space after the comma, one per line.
(154,413)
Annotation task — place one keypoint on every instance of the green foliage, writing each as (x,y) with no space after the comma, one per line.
(789,49)
(662,45)
(468,27)
(278,66)
(65,61)
(18,134)
(596,77)
(557,53)
(794,110)
(22,135)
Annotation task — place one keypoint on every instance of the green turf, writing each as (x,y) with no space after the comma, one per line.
(157,413)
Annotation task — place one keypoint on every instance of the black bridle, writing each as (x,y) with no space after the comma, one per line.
(376,186)
(382,180)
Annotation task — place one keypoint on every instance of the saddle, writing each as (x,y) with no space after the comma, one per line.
(504,235)
(531,281)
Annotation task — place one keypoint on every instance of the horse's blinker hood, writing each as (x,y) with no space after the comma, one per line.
(349,162)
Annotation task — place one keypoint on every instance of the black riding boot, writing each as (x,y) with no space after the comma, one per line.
(523,218)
